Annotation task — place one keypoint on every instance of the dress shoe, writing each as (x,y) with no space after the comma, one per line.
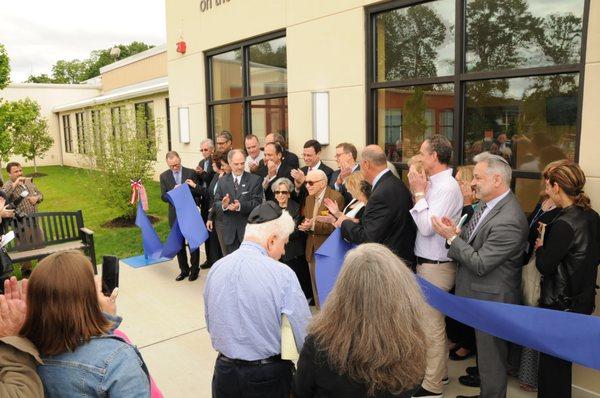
(454,356)
(470,381)
(205,265)
(467,396)
(193,275)
(473,371)
(182,276)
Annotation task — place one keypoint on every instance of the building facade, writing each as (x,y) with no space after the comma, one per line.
(520,78)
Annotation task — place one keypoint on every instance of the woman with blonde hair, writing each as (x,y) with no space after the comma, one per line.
(360,190)
(368,339)
(567,256)
(71,323)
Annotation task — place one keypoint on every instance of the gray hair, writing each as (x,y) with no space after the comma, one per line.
(496,165)
(283,181)
(375,155)
(281,227)
(320,173)
(209,142)
(171,155)
(231,153)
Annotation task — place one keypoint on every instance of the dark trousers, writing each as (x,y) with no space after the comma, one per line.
(300,268)
(232,380)
(194,260)
(234,245)
(213,248)
(554,377)
(207,246)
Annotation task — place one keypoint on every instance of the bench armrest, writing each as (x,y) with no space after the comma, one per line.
(86,231)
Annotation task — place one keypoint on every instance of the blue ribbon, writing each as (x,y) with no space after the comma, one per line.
(188,226)
(572,337)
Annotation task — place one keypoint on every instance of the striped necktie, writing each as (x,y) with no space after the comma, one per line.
(465,234)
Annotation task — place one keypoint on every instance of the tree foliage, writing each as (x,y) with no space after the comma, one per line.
(77,71)
(120,153)
(4,68)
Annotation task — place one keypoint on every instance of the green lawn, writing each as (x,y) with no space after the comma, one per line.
(69,189)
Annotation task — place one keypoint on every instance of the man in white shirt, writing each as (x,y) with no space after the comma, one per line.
(255,155)
(439,197)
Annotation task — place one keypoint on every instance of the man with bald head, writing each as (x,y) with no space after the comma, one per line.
(314,208)
(386,218)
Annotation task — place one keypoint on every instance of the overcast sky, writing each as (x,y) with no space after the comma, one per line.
(37,33)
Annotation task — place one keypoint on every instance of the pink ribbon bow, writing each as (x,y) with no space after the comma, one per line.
(138,192)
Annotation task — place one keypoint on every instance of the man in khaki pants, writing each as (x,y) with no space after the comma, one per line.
(436,193)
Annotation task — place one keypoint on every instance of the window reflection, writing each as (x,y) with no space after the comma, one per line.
(226,69)
(408,115)
(229,117)
(268,67)
(416,41)
(269,116)
(505,34)
(529,121)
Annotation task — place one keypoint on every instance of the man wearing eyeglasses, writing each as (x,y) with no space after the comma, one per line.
(224,141)
(205,174)
(318,231)
(345,156)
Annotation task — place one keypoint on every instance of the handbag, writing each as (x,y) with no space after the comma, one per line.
(531,285)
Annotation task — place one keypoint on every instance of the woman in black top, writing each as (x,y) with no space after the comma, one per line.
(368,339)
(567,257)
(214,223)
(294,255)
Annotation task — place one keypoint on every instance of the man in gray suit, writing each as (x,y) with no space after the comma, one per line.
(238,193)
(489,253)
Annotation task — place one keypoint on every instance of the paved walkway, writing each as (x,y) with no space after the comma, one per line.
(166,320)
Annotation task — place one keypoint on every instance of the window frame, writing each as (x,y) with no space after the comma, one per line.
(80,128)
(460,77)
(68,135)
(246,99)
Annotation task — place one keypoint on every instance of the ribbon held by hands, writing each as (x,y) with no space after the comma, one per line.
(138,192)
(572,337)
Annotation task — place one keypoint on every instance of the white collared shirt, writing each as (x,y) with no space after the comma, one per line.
(378,177)
(443,198)
(250,160)
(489,206)
(316,167)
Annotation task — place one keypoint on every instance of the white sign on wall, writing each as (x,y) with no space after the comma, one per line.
(184,125)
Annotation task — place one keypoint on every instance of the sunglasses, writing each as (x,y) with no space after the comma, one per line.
(311,183)
(281,192)
(204,150)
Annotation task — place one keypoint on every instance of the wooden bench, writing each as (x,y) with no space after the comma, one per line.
(40,234)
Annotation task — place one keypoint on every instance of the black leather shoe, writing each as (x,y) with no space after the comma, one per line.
(473,371)
(470,381)
(467,396)
(455,357)
(205,265)
(193,276)
(182,276)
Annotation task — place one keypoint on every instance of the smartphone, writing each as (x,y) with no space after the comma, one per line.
(462,221)
(110,274)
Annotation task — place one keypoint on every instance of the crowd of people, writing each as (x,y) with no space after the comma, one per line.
(375,336)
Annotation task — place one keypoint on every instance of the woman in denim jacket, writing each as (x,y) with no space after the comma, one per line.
(71,323)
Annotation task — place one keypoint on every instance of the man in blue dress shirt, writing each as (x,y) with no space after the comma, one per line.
(245,296)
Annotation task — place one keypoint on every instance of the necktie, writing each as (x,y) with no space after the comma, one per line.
(465,234)
(178,178)
(236,184)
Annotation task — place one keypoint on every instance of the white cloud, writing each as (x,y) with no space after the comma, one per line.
(38,33)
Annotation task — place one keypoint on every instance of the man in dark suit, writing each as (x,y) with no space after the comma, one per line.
(288,158)
(273,169)
(386,218)
(238,193)
(205,174)
(489,253)
(345,156)
(172,178)
(312,158)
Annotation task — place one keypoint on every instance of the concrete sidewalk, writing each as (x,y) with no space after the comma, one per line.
(165,319)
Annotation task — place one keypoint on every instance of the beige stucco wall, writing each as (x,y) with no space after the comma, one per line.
(325,50)
(49,96)
(160,117)
(145,69)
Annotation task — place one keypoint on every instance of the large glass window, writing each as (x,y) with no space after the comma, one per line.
(81,139)
(67,133)
(491,75)
(247,88)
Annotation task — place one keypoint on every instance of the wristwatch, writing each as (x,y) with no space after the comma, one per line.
(451,239)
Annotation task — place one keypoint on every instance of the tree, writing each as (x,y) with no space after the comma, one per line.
(76,71)
(120,155)
(560,38)
(414,123)
(4,68)
(412,39)
(27,128)
(6,141)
